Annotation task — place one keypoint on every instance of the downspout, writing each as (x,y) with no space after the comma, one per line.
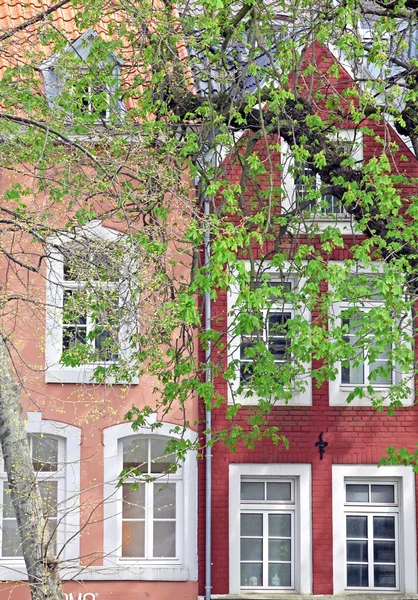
(208,423)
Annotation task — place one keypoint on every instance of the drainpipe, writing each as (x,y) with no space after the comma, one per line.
(208,424)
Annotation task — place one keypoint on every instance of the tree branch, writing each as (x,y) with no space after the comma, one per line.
(34,20)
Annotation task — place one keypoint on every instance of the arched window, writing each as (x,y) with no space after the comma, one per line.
(150,521)
(55,450)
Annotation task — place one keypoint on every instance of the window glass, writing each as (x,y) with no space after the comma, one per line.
(135,454)
(359,370)
(383,493)
(279,491)
(44,451)
(267,536)
(252,490)
(161,462)
(371,538)
(357,493)
(149,507)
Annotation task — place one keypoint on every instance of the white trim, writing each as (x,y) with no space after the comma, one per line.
(14,569)
(301,396)
(179,569)
(303,531)
(407,530)
(54,371)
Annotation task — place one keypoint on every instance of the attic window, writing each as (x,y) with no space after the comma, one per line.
(83,80)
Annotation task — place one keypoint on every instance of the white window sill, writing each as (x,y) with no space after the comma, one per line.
(80,375)
(16,571)
(339,398)
(254,400)
(137,571)
(299,398)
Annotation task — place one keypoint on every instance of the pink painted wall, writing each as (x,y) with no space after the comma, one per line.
(110,590)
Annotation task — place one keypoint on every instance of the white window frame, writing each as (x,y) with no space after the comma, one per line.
(55,285)
(149,517)
(81,48)
(300,475)
(301,397)
(404,478)
(184,566)
(342,221)
(68,477)
(338,391)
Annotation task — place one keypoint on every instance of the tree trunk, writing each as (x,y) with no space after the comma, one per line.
(41,564)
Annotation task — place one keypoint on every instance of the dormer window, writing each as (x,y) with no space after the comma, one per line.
(83,81)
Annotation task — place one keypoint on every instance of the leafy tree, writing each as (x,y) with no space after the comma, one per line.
(118,127)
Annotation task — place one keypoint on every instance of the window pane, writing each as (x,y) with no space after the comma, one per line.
(71,336)
(106,345)
(252,574)
(379,379)
(279,574)
(8,510)
(164,539)
(74,308)
(357,493)
(279,550)
(357,551)
(160,461)
(357,576)
(357,527)
(279,491)
(252,525)
(133,504)
(135,454)
(383,493)
(50,536)
(384,552)
(385,576)
(246,343)
(277,343)
(333,205)
(246,371)
(279,526)
(252,490)
(384,527)
(49,492)
(133,537)
(11,539)
(251,549)
(164,500)
(44,453)
(351,374)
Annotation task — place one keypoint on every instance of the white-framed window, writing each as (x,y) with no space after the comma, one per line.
(55,449)
(304,182)
(270,528)
(299,183)
(149,525)
(272,334)
(48,456)
(151,510)
(361,370)
(374,529)
(89,307)
(60,78)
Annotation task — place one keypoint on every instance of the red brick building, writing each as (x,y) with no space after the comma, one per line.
(296,520)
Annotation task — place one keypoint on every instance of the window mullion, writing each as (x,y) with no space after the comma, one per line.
(149,519)
(265,548)
(370,537)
